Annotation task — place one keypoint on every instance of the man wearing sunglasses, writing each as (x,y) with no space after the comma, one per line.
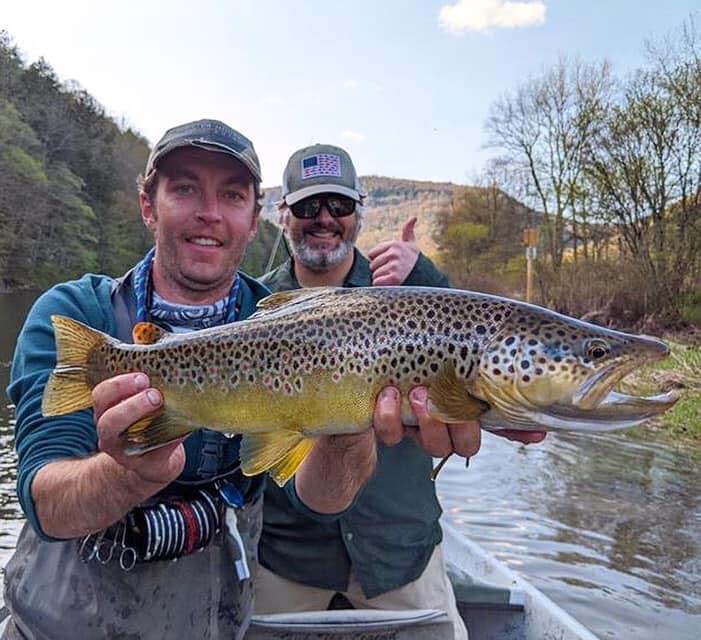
(384,553)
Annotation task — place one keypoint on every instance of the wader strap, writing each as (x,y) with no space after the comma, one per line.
(124,306)
(211,454)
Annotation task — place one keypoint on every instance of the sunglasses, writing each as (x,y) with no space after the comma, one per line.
(337,206)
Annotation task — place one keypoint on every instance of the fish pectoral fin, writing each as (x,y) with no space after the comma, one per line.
(155,431)
(147,333)
(287,467)
(449,399)
(262,451)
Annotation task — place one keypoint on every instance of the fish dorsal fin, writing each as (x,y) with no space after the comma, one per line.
(280,298)
(288,466)
(261,451)
(147,333)
(450,399)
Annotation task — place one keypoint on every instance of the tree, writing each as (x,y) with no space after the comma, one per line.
(645,170)
(543,130)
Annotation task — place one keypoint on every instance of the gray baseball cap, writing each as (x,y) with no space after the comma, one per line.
(211,135)
(321,168)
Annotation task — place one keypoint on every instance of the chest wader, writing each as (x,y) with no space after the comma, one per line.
(53,594)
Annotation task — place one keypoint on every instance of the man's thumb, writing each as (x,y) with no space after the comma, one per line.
(408,234)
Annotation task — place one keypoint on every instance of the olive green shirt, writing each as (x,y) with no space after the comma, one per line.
(389,534)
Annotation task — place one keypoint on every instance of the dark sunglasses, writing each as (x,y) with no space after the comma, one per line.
(337,206)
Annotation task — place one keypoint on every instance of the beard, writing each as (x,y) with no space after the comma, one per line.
(319,259)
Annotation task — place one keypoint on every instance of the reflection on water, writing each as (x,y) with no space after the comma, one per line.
(608,527)
(13,308)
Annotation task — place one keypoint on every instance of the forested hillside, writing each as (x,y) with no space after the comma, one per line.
(68,173)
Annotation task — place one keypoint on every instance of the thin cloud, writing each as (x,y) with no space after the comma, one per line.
(355,136)
(351,84)
(486,15)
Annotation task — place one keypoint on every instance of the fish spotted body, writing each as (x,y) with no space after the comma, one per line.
(312,362)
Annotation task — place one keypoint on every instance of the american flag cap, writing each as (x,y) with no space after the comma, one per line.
(212,135)
(321,168)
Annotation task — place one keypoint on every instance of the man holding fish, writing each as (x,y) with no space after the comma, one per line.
(384,552)
(91,561)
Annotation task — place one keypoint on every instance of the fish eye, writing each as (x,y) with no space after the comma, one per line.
(596,349)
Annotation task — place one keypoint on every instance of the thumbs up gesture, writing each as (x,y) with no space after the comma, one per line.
(391,262)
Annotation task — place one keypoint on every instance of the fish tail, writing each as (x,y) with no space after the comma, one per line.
(67,389)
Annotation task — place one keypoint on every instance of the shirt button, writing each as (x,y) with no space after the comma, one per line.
(349,536)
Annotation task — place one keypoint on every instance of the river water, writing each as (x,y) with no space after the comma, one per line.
(607,526)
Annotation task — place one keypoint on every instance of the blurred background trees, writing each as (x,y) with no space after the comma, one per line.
(611,169)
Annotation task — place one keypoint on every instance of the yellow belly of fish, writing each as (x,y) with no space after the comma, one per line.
(322,407)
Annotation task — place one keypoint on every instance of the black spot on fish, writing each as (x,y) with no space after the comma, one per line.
(525,364)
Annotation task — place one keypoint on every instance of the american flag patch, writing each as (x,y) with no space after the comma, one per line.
(321,164)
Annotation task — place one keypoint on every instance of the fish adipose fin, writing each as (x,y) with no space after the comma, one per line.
(280,450)
(67,389)
(147,333)
(155,431)
(450,400)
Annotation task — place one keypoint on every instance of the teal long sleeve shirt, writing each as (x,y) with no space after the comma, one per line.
(41,440)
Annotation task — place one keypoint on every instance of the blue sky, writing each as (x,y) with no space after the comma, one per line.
(404,86)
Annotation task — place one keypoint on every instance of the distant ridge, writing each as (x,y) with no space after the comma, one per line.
(390,203)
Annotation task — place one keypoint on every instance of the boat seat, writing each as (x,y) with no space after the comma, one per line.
(475,594)
(419,624)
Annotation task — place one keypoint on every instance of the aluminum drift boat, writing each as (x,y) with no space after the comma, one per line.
(495,602)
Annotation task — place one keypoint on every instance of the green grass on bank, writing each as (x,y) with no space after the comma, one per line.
(682,371)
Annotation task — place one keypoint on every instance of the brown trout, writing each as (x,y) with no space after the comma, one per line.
(312,362)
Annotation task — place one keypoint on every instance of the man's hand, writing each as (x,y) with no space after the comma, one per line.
(391,262)
(335,470)
(120,402)
(78,496)
(437,438)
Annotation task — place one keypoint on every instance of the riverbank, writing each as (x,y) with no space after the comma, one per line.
(681,371)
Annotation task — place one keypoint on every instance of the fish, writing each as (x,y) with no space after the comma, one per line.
(312,361)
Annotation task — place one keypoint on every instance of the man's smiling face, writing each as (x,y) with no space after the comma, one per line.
(203,216)
(323,242)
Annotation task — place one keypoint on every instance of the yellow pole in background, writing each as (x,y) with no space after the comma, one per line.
(530,239)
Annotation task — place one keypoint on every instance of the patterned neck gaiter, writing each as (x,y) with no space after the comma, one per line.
(180,317)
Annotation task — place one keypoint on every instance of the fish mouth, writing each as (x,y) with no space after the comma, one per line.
(618,410)
(615,411)
(595,391)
